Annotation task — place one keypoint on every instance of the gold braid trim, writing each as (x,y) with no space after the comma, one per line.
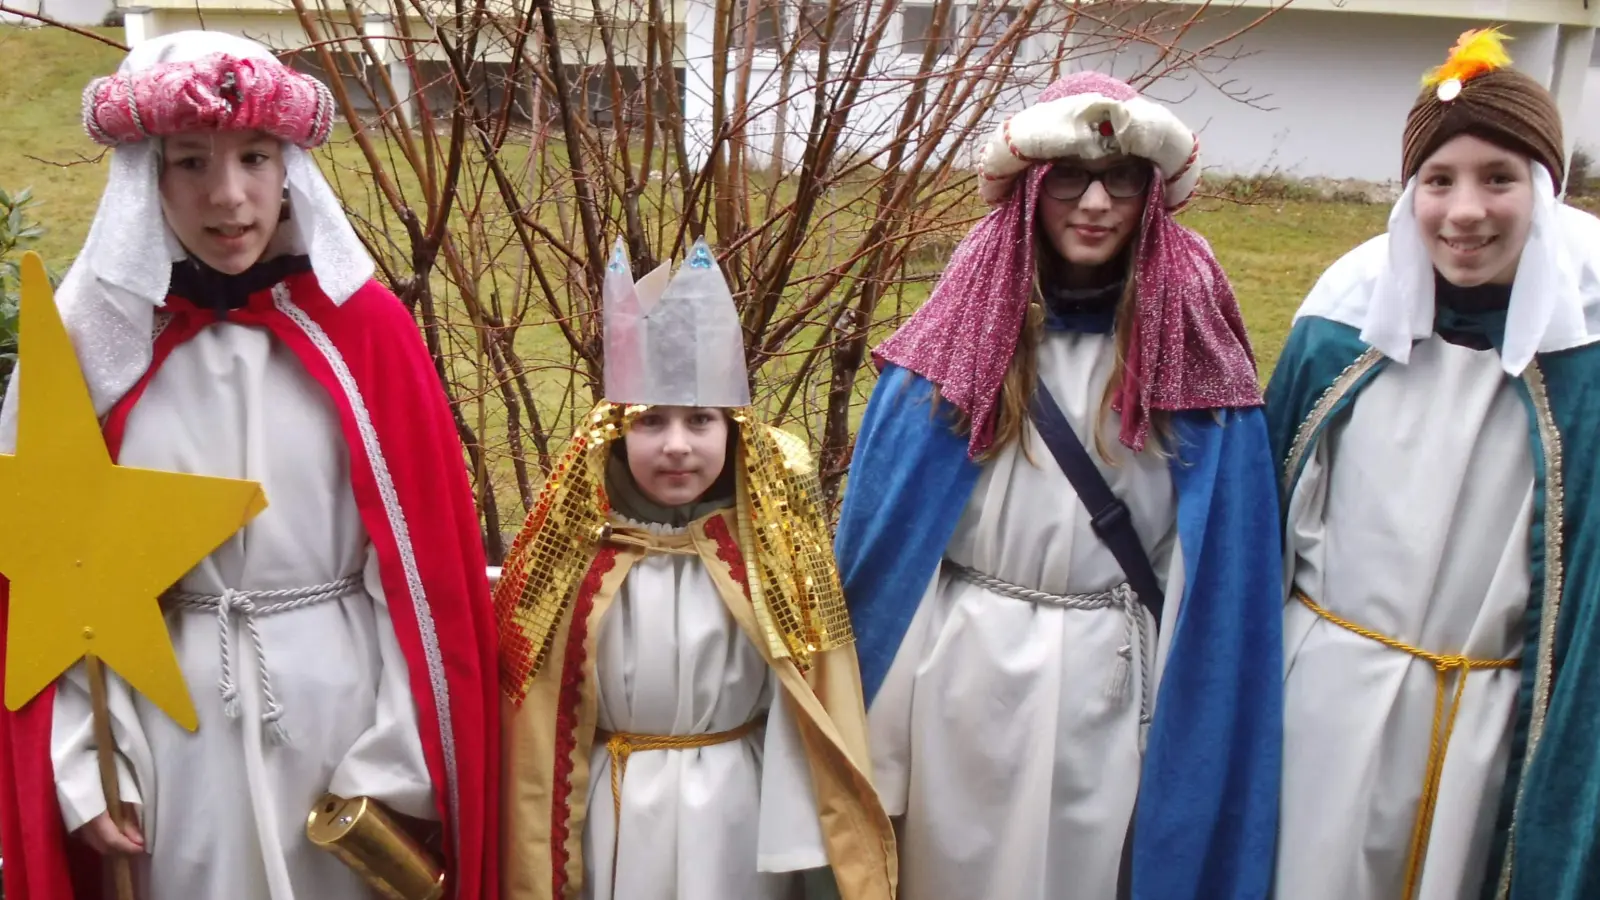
(794,583)
(793,578)
(554,549)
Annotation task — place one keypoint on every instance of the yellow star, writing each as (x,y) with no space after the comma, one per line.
(90,546)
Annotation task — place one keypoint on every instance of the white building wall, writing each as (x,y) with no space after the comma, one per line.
(875,117)
(275,28)
(1328,92)
(72,12)
(1333,89)
(1588,124)
(1587,128)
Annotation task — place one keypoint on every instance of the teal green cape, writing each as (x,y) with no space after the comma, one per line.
(1547,835)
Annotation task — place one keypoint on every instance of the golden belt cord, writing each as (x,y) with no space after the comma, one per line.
(1444,713)
(623,744)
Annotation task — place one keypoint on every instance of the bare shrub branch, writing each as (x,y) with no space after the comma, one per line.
(495,150)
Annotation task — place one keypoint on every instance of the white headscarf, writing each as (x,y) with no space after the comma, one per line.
(109,296)
(1385,287)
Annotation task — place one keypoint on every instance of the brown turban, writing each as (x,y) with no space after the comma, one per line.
(1503,107)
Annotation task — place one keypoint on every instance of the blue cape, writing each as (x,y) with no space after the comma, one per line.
(1207,815)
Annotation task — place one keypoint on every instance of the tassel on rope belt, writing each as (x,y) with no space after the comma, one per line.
(1121,597)
(1444,714)
(623,744)
(250,606)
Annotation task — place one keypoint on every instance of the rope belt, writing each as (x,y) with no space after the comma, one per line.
(1444,713)
(623,744)
(250,606)
(1121,597)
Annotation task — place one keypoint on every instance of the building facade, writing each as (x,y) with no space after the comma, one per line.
(1318,89)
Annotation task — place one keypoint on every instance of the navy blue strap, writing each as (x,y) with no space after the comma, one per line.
(1108,515)
(1113,525)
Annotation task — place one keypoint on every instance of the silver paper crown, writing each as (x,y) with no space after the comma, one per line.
(673,342)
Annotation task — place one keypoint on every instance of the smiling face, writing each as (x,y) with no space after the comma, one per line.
(1474,205)
(675,453)
(1089,210)
(222,195)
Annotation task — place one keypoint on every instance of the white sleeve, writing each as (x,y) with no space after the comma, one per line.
(386,762)
(72,745)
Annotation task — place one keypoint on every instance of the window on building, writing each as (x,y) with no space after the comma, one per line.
(769,25)
(637,95)
(813,17)
(768,21)
(916,30)
(989,21)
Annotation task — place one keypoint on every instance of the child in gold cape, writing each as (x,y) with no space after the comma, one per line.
(684,712)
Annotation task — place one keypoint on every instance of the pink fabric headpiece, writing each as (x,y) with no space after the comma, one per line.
(219,92)
(1188,350)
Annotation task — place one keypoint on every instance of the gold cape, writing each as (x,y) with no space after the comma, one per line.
(772,563)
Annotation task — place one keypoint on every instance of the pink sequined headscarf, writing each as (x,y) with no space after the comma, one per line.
(219,92)
(1188,349)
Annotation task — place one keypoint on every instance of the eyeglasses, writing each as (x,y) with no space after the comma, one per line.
(1123,181)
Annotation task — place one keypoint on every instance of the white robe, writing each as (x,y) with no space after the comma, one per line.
(733,821)
(224,810)
(1418,531)
(1002,732)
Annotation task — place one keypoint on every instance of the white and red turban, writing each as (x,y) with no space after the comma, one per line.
(188,81)
(218,92)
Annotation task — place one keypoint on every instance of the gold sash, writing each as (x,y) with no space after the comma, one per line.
(1444,714)
(623,744)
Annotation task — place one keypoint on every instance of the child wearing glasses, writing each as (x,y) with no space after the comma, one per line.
(1057,542)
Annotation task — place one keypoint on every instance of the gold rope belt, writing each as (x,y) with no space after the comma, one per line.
(1444,713)
(623,744)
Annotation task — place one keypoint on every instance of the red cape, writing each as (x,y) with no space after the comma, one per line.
(416,502)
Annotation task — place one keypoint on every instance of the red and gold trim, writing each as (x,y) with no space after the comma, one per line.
(572,678)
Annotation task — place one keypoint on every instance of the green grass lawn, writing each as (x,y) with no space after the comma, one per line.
(43,72)
(1274,252)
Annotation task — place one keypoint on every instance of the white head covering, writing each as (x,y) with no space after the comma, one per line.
(109,296)
(1385,287)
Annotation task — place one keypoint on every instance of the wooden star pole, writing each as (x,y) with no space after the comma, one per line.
(105,754)
(89,546)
